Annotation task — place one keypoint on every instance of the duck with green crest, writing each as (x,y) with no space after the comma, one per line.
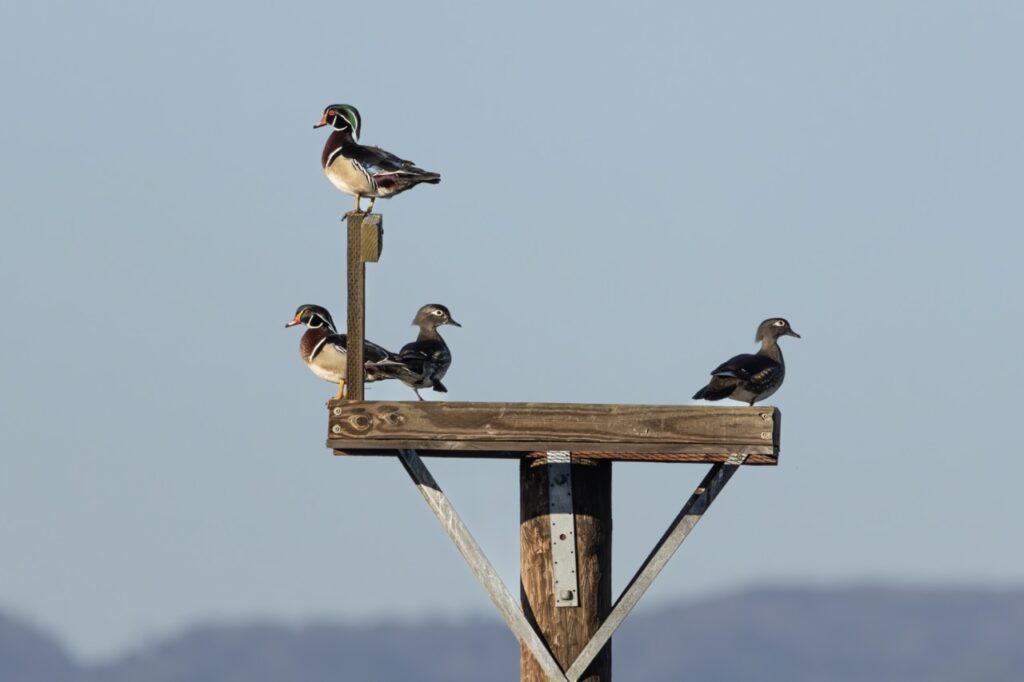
(360,170)
(325,351)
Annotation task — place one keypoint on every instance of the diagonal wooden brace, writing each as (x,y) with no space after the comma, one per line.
(684,522)
(488,578)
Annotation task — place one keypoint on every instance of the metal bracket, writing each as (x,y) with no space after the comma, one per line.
(563,529)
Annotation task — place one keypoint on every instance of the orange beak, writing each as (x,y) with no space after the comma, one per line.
(322,123)
(294,322)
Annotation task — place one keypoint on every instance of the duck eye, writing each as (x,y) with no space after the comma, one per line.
(780,323)
(438,313)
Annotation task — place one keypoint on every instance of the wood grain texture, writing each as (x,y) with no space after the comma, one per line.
(372,238)
(603,431)
(566,631)
(356,450)
(356,308)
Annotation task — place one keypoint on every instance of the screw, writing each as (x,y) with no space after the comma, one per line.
(565,595)
(562,536)
(337,411)
(336,428)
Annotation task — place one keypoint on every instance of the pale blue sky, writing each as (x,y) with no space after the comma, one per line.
(676,173)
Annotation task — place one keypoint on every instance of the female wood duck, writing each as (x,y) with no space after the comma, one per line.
(324,350)
(750,378)
(364,171)
(424,362)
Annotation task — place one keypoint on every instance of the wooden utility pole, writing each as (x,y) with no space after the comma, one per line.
(566,629)
(565,617)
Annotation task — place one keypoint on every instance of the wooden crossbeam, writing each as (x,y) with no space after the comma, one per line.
(668,433)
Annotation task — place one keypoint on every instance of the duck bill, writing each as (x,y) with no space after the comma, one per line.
(793,333)
(454,323)
(322,123)
(293,322)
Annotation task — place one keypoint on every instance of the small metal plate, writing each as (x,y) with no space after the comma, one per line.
(563,529)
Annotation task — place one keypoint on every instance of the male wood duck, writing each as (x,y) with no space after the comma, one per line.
(324,350)
(424,362)
(750,378)
(364,171)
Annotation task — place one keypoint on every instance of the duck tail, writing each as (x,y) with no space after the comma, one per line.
(388,369)
(711,392)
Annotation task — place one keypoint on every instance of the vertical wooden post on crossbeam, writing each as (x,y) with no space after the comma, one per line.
(365,234)
(566,628)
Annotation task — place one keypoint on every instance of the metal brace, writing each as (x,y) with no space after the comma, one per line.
(563,529)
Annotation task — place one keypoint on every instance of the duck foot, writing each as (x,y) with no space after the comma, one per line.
(354,212)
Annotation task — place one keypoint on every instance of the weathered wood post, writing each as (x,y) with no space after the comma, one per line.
(565,617)
(565,628)
(364,245)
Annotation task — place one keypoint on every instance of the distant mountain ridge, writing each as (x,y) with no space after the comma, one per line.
(864,634)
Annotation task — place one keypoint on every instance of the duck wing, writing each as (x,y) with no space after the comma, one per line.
(389,172)
(416,363)
(415,359)
(339,343)
(755,370)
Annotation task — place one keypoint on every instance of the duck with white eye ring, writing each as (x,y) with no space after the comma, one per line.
(425,361)
(752,378)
